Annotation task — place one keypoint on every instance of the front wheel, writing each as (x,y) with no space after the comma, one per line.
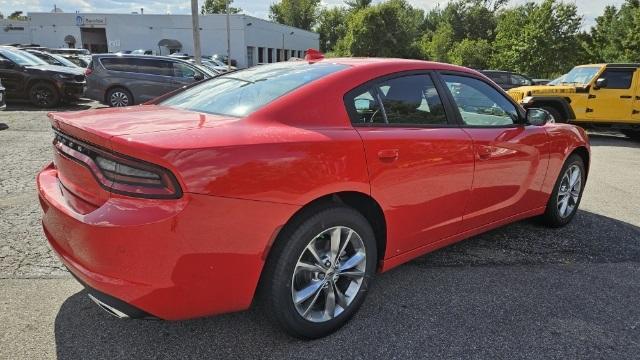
(557,116)
(319,272)
(44,95)
(565,198)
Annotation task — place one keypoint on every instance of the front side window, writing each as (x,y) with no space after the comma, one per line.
(618,78)
(479,103)
(183,71)
(411,99)
(243,92)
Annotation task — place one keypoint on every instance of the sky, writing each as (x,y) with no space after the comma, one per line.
(590,9)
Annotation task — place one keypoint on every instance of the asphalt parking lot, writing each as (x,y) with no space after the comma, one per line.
(519,292)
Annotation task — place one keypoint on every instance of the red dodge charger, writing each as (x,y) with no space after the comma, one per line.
(292,184)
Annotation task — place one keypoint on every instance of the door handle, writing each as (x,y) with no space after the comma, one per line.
(625,96)
(388,154)
(635,112)
(484,152)
(591,96)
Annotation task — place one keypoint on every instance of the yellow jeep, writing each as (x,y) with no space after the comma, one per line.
(597,95)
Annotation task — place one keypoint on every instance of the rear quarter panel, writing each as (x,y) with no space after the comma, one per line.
(564,139)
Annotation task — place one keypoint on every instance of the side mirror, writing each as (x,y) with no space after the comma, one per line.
(6,64)
(600,83)
(198,77)
(539,117)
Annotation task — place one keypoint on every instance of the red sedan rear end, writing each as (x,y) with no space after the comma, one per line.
(296,181)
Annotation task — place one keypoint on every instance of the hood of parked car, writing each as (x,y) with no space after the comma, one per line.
(537,90)
(56,69)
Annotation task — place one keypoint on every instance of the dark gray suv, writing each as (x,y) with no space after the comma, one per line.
(123,80)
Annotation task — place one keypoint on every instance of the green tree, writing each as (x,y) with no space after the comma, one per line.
(538,39)
(436,46)
(332,25)
(17,15)
(218,7)
(614,38)
(357,4)
(297,13)
(388,29)
(472,53)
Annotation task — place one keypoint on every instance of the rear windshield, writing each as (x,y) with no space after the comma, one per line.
(243,92)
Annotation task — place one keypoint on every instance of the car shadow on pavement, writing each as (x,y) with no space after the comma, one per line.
(82,104)
(612,139)
(521,289)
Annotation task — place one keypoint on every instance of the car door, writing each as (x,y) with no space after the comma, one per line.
(420,164)
(154,79)
(614,100)
(510,158)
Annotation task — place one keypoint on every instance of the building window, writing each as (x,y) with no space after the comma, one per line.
(279,55)
(270,55)
(260,55)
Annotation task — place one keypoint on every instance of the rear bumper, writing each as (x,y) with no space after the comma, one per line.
(172,259)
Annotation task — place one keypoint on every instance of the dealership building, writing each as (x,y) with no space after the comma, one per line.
(253,40)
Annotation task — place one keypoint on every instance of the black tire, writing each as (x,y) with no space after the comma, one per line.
(279,278)
(119,97)
(44,95)
(557,116)
(553,215)
(632,134)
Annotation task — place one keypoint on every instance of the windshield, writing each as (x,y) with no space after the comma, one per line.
(243,92)
(22,58)
(580,75)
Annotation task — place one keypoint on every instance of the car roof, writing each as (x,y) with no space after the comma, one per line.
(361,62)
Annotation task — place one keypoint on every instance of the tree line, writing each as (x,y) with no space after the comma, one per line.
(542,39)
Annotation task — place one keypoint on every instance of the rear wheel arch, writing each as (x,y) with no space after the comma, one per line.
(361,202)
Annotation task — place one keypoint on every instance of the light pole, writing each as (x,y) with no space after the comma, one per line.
(228,38)
(283,56)
(196,31)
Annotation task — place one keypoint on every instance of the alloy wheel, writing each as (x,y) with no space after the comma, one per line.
(569,191)
(328,274)
(43,96)
(119,99)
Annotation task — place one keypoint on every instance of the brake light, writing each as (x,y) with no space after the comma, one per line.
(119,173)
(88,72)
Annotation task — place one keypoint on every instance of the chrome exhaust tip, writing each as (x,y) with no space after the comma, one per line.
(108,308)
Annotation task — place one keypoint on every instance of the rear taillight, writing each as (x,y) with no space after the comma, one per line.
(88,71)
(119,173)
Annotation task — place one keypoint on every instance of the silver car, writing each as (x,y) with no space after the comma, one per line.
(124,80)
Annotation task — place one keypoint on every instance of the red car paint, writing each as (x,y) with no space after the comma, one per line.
(243,179)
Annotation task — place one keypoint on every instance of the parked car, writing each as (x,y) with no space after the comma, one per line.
(593,95)
(540,81)
(52,59)
(3,104)
(28,77)
(295,183)
(124,80)
(83,54)
(507,79)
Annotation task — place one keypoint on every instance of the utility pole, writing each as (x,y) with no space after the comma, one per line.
(228,38)
(196,32)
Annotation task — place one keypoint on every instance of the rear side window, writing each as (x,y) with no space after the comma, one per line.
(140,66)
(618,78)
(519,80)
(499,77)
(409,100)
(117,64)
(243,92)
